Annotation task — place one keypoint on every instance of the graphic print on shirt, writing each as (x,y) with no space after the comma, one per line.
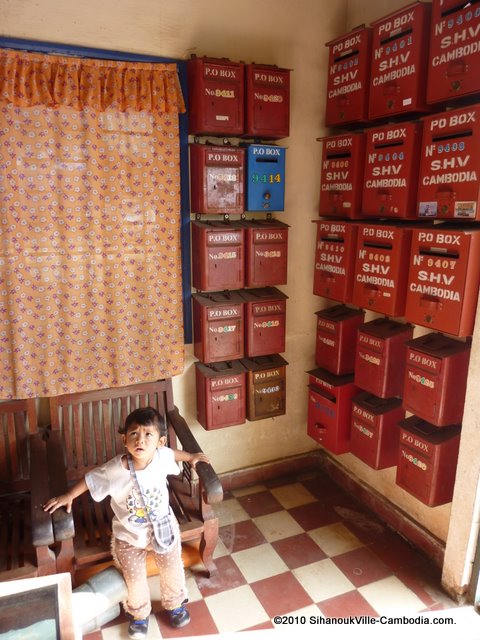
(152,498)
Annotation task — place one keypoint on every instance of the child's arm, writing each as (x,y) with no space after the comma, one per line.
(192,458)
(66,499)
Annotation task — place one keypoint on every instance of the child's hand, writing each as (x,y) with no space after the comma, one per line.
(65,500)
(198,457)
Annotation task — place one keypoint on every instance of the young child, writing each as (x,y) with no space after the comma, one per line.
(141,523)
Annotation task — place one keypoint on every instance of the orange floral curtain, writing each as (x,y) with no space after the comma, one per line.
(90,265)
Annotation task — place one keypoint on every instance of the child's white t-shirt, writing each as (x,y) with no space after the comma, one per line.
(130,522)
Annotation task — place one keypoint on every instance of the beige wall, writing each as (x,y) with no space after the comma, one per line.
(290,34)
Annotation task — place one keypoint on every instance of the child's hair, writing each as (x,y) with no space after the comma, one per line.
(144,417)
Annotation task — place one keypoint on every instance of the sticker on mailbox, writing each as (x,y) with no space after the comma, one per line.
(465,209)
(427,209)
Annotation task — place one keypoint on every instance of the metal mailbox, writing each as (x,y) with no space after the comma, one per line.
(427,460)
(217,179)
(218,326)
(265,320)
(337,338)
(380,278)
(375,430)
(454,52)
(267,101)
(436,378)
(330,409)
(218,256)
(266,252)
(443,279)
(221,394)
(265,178)
(266,386)
(392,161)
(398,76)
(449,186)
(380,356)
(348,78)
(216,90)
(343,159)
(335,260)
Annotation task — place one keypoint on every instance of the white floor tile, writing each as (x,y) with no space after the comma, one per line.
(390,596)
(236,609)
(259,562)
(334,539)
(229,512)
(323,580)
(278,525)
(293,495)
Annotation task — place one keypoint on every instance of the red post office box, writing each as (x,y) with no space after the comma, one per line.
(454,52)
(449,186)
(335,260)
(443,279)
(216,96)
(266,252)
(218,326)
(221,389)
(375,429)
(427,460)
(391,170)
(380,279)
(266,386)
(343,159)
(267,101)
(218,256)
(380,356)
(265,320)
(436,378)
(337,338)
(349,61)
(217,176)
(330,409)
(398,76)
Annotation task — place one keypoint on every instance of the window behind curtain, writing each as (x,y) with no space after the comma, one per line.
(90,261)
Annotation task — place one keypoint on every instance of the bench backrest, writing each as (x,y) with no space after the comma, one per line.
(18,420)
(89,421)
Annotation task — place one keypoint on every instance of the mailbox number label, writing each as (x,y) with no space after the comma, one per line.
(267,178)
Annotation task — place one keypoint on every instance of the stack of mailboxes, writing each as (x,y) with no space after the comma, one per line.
(399,235)
(239,314)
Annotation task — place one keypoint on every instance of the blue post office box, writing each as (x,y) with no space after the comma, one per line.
(265,177)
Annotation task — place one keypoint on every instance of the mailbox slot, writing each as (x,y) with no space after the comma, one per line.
(435,366)
(336,338)
(399,62)
(329,409)
(375,429)
(454,54)
(218,256)
(266,386)
(380,356)
(267,101)
(266,253)
(427,460)
(265,320)
(221,400)
(335,260)
(216,91)
(265,178)
(218,326)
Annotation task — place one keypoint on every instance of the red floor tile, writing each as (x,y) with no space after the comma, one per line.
(419,583)
(395,552)
(361,566)
(264,625)
(201,623)
(228,576)
(347,604)
(298,551)
(241,535)
(314,515)
(281,594)
(260,504)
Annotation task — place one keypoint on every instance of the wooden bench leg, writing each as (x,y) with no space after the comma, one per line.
(46,562)
(66,558)
(208,543)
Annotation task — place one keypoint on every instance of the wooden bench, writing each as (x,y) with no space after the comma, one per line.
(26,532)
(84,435)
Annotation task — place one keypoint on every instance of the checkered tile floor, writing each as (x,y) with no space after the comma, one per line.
(298,546)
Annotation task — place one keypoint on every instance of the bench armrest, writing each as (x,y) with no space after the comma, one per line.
(63,525)
(42,527)
(212,488)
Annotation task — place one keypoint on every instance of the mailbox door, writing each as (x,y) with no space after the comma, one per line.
(454,54)
(414,473)
(217,330)
(380,279)
(267,101)
(221,398)
(216,89)
(265,178)
(266,398)
(265,327)
(266,253)
(443,280)
(450,157)
(348,78)
(335,260)
(217,257)
(391,171)
(337,338)
(323,421)
(343,159)
(399,62)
